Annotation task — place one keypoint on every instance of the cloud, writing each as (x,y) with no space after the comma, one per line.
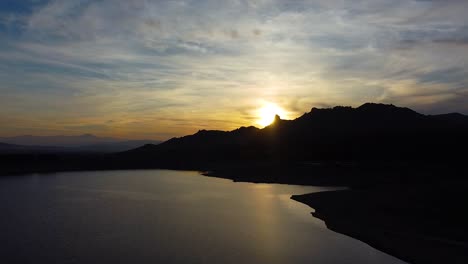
(170,67)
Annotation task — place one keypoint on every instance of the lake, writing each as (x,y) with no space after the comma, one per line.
(162,216)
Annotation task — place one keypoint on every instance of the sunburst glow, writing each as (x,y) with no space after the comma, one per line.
(266,114)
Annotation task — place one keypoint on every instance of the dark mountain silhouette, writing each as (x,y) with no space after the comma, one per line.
(369,132)
(81,143)
(454,118)
(118,146)
(16,149)
(5,145)
(57,141)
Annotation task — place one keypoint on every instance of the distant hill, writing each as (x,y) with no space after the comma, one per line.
(453,118)
(59,140)
(81,143)
(369,132)
(117,146)
(19,149)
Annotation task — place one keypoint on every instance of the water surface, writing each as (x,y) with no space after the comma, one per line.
(160,216)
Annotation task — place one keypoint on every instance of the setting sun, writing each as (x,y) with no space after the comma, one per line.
(267,113)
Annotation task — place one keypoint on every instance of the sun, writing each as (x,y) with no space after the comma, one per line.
(266,114)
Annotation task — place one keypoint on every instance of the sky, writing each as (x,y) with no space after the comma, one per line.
(159,69)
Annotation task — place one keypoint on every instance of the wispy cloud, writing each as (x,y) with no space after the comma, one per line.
(161,68)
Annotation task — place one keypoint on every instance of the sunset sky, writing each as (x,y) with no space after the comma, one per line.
(158,69)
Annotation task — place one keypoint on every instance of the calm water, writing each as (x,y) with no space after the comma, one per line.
(159,216)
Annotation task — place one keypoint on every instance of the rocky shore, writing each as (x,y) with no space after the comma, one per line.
(403,222)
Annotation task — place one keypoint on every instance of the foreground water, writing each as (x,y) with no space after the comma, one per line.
(160,216)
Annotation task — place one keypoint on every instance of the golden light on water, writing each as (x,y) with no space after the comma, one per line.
(266,114)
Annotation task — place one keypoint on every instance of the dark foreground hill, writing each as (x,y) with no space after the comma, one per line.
(370,132)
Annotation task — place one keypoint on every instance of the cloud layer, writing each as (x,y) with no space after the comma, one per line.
(166,68)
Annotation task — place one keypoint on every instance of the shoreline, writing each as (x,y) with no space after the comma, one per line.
(419,219)
(344,212)
(411,221)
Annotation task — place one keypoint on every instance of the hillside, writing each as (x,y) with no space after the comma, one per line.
(369,132)
(69,144)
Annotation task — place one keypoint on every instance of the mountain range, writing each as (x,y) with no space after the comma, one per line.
(369,132)
(66,144)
